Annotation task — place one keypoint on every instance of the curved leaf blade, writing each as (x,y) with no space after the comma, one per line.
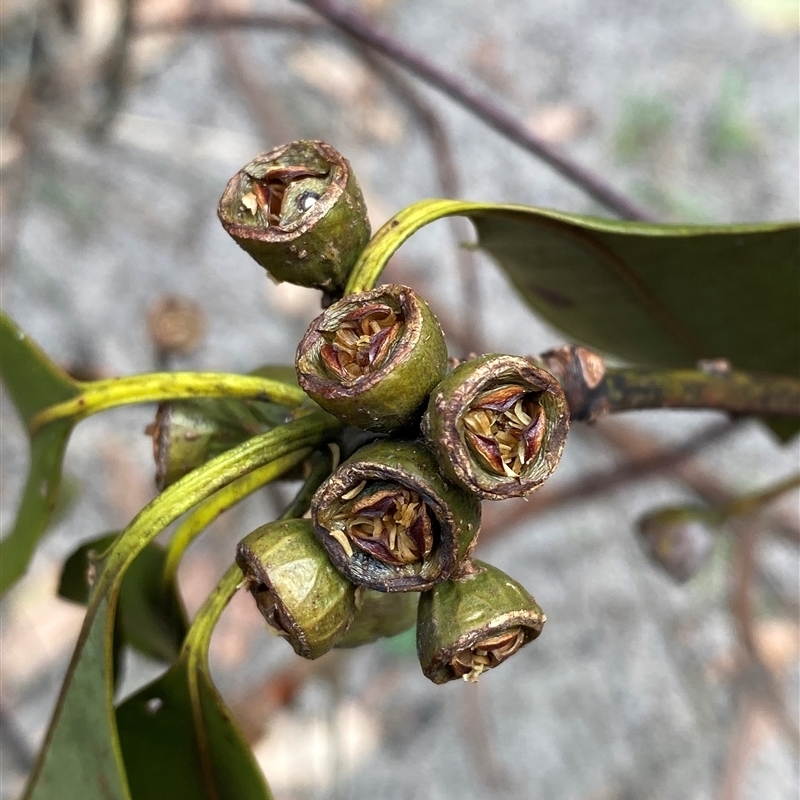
(657,295)
(84,717)
(177,736)
(33,382)
(159,730)
(90,771)
(31,378)
(39,498)
(151,617)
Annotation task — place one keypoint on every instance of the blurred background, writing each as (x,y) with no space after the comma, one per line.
(122,121)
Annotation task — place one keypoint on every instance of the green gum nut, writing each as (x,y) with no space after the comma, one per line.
(371,359)
(390,522)
(187,433)
(295,586)
(473,623)
(678,540)
(498,425)
(380,615)
(299,212)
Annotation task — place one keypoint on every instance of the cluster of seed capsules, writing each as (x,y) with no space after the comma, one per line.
(391,531)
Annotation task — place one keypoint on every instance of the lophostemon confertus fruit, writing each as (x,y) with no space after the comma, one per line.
(300,594)
(498,425)
(390,522)
(474,622)
(371,359)
(299,212)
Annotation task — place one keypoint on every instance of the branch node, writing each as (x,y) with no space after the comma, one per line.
(580,372)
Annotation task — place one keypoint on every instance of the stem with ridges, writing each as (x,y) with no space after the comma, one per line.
(205,513)
(158,386)
(594,390)
(204,481)
(198,637)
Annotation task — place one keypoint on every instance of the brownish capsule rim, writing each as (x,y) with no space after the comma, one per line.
(161,443)
(310,372)
(251,568)
(340,169)
(394,578)
(482,375)
(530,622)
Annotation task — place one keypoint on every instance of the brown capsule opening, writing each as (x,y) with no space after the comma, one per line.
(282,196)
(504,428)
(362,342)
(159,430)
(389,522)
(271,611)
(486,653)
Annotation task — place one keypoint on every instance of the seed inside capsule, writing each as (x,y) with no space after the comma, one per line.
(267,195)
(504,428)
(269,609)
(362,342)
(389,522)
(486,653)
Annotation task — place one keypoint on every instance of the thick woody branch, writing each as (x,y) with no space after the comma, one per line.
(594,390)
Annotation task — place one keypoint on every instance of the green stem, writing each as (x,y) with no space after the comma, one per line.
(397,230)
(208,615)
(742,393)
(202,482)
(194,654)
(302,500)
(199,633)
(154,387)
(593,389)
(205,513)
(198,637)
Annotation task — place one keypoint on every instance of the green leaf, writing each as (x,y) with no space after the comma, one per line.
(81,757)
(33,383)
(178,738)
(83,760)
(31,378)
(150,617)
(655,295)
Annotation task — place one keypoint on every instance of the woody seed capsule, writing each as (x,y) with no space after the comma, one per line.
(497,425)
(295,586)
(390,522)
(371,359)
(298,210)
(474,622)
